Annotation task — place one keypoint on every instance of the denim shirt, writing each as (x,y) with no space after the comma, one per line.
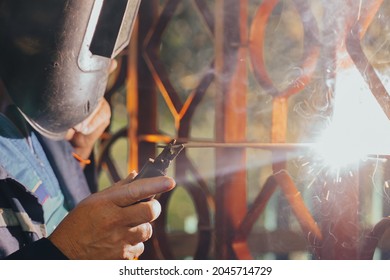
(36,191)
(25,160)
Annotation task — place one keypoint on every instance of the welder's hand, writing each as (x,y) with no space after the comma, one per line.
(84,135)
(110,224)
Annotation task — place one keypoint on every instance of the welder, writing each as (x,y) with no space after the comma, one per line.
(55,58)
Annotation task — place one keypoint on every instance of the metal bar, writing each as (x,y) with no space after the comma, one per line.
(132,100)
(339,207)
(192,103)
(259,205)
(240,243)
(310,55)
(112,170)
(264,146)
(206,14)
(309,226)
(339,215)
(373,237)
(279,120)
(231,79)
(360,59)
(147,100)
(156,66)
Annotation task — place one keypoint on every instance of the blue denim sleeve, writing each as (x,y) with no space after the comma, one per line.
(43,249)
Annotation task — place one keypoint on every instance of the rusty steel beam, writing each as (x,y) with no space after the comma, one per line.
(151,45)
(311,48)
(146,107)
(231,25)
(240,243)
(132,99)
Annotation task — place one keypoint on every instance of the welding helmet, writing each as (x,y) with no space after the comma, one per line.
(55,56)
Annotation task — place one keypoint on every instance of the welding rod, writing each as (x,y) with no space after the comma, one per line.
(264,146)
(286,147)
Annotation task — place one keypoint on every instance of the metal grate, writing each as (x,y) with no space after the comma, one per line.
(272,82)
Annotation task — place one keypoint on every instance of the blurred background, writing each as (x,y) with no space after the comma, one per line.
(284,111)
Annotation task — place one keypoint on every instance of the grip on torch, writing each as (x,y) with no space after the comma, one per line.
(159,165)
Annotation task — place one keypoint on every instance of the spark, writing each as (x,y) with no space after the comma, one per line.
(360,9)
(318,198)
(357,131)
(331,234)
(311,183)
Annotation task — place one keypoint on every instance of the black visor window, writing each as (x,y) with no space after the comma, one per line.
(114,26)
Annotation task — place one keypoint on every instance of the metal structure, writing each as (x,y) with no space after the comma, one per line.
(331,227)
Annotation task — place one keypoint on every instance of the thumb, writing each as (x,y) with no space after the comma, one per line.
(130,193)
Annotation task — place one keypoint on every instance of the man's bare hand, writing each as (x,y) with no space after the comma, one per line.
(112,224)
(84,135)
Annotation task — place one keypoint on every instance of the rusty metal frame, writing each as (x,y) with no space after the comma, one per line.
(332,232)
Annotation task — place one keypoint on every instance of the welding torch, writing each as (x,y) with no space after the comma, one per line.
(159,166)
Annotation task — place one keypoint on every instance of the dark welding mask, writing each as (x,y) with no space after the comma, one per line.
(55,56)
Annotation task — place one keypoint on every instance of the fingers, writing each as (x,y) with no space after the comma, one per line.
(113,66)
(140,233)
(111,224)
(140,213)
(97,121)
(101,118)
(101,115)
(125,194)
(131,252)
(136,237)
(125,181)
(69,134)
(128,179)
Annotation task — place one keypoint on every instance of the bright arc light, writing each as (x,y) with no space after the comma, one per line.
(359,126)
(338,149)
